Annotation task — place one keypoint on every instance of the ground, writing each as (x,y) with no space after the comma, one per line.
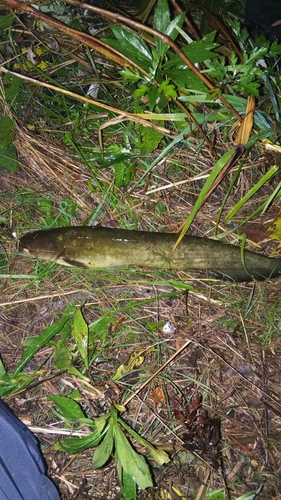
(214,408)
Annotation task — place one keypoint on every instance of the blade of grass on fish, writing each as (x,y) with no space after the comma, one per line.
(45,337)
(204,191)
(271,173)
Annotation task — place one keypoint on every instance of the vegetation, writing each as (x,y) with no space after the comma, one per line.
(170,122)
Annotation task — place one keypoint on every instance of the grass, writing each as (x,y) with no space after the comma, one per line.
(196,408)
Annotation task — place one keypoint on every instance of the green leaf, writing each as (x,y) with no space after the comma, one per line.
(7,131)
(62,358)
(8,158)
(177,22)
(216,495)
(196,52)
(162,17)
(153,96)
(132,463)
(130,75)
(159,456)
(131,45)
(80,333)
(70,409)
(127,483)
(168,89)
(100,327)
(151,139)
(163,23)
(45,337)
(5,22)
(76,444)
(186,80)
(104,450)
(100,422)
(123,173)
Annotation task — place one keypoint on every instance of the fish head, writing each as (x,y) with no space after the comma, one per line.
(40,246)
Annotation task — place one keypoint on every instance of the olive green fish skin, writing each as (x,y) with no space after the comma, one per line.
(103,248)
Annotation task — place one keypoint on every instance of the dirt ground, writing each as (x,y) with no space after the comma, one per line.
(215,408)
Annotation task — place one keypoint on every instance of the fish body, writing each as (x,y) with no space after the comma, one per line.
(103,248)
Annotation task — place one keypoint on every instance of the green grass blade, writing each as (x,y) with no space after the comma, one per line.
(204,191)
(271,173)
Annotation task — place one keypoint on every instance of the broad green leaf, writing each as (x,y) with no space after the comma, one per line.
(80,333)
(5,22)
(76,444)
(153,96)
(185,79)
(8,158)
(104,450)
(7,131)
(177,22)
(100,422)
(131,45)
(168,89)
(132,463)
(162,17)
(47,334)
(98,330)
(160,456)
(216,495)
(69,408)
(130,75)
(110,159)
(151,139)
(196,52)
(127,483)
(123,173)
(163,23)
(62,358)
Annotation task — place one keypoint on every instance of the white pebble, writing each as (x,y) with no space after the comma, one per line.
(169,328)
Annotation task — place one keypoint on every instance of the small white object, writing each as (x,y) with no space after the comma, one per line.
(93,90)
(169,328)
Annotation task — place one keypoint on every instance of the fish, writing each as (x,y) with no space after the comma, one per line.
(100,247)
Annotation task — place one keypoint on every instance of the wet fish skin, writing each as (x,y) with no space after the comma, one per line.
(103,248)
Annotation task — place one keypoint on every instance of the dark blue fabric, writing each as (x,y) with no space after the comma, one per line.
(22,469)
